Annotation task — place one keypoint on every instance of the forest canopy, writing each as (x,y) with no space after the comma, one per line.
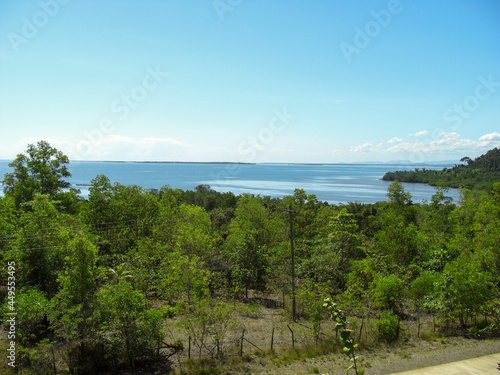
(480,173)
(130,277)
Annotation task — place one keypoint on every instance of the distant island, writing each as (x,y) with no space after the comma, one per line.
(480,173)
(163,162)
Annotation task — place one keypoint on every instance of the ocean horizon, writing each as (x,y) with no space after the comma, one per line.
(334,183)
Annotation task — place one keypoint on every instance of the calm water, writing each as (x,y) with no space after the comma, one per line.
(338,183)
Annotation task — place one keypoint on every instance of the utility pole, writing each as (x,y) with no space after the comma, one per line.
(291,212)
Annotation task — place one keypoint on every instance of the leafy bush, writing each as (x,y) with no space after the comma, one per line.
(388,328)
(428,335)
(388,292)
(32,309)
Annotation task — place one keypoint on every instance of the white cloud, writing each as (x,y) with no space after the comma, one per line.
(394,140)
(118,147)
(151,148)
(490,137)
(450,136)
(445,143)
(367,147)
(419,134)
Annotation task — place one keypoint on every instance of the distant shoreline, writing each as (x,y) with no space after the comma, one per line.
(160,162)
(430,164)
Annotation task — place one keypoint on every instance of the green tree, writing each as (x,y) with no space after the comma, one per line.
(469,289)
(344,245)
(208,322)
(253,231)
(41,244)
(427,292)
(135,331)
(193,232)
(183,276)
(249,260)
(119,273)
(397,194)
(77,296)
(477,230)
(389,292)
(121,216)
(41,169)
(32,308)
(329,260)
(396,241)
(466,159)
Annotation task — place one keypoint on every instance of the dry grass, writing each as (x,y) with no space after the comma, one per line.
(309,353)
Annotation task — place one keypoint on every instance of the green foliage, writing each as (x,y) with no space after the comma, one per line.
(32,308)
(388,292)
(207,322)
(77,295)
(41,170)
(41,244)
(252,232)
(397,194)
(136,331)
(183,277)
(429,335)
(468,289)
(330,260)
(480,173)
(425,290)
(341,326)
(310,305)
(88,272)
(388,328)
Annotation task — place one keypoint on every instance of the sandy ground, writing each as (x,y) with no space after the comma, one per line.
(381,359)
(486,364)
(389,360)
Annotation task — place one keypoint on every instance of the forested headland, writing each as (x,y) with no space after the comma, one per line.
(481,173)
(169,280)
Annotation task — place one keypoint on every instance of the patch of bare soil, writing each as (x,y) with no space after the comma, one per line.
(388,360)
(271,326)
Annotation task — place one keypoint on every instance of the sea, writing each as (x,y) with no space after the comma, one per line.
(332,183)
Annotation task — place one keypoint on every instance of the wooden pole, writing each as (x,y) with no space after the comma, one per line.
(241,346)
(293,339)
(272,339)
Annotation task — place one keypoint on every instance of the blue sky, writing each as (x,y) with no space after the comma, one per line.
(251,81)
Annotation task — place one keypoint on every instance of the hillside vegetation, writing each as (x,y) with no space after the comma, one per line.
(480,173)
(169,281)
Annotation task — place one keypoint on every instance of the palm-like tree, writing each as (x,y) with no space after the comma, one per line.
(120,273)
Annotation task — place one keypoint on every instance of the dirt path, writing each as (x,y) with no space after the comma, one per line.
(433,354)
(476,366)
(390,360)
